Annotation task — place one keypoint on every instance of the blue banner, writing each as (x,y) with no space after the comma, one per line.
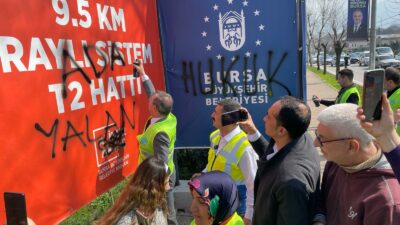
(246,50)
(357,20)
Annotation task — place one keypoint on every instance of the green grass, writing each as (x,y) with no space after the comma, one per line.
(94,210)
(189,160)
(330,79)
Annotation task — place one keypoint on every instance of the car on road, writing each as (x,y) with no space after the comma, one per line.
(397,56)
(328,59)
(313,59)
(341,61)
(384,51)
(354,58)
(384,61)
(364,59)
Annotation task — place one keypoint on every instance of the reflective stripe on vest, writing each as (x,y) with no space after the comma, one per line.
(343,98)
(235,219)
(394,100)
(146,149)
(229,157)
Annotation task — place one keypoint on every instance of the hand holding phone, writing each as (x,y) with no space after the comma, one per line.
(372,94)
(15,208)
(232,117)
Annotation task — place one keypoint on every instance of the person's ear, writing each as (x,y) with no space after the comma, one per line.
(282,131)
(354,146)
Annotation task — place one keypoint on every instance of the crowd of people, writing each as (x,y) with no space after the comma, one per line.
(251,180)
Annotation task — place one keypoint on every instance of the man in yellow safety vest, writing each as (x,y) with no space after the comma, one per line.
(231,152)
(159,135)
(347,94)
(392,85)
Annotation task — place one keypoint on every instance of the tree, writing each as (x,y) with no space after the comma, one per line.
(325,46)
(324,10)
(338,30)
(311,20)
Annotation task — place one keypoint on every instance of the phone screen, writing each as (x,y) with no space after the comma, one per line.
(15,208)
(232,117)
(372,94)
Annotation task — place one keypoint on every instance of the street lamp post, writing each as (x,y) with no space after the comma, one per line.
(372,43)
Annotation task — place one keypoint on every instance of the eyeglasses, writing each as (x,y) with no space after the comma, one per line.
(322,142)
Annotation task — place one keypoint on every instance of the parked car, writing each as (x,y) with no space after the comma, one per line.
(328,59)
(313,59)
(397,56)
(364,58)
(384,51)
(341,61)
(384,61)
(354,58)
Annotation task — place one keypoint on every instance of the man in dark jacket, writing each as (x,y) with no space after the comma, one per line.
(288,170)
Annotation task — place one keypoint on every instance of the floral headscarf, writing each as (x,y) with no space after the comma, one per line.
(219,192)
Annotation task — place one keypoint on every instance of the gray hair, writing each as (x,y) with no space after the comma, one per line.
(163,102)
(229,104)
(342,119)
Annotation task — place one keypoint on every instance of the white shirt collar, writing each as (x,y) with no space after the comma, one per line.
(225,139)
(231,134)
(155,119)
(275,148)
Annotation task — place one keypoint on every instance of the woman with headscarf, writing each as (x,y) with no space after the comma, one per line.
(215,199)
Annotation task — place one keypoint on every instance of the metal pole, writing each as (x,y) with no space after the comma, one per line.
(372,43)
(300,6)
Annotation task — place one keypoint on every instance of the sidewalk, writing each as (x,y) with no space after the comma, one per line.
(316,86)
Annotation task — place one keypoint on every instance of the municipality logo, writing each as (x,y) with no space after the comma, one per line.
(232,30)
(226,22)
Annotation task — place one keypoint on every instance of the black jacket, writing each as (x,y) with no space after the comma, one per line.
(285,186)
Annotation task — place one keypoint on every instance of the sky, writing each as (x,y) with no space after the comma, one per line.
(388,13)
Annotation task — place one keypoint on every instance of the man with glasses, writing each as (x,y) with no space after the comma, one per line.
(288,170)
(358,185)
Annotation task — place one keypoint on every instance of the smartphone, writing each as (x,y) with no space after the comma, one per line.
(15,208)
(372,94)
(232,117)
(135,72)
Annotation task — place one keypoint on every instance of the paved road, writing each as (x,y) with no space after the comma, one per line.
(357,70)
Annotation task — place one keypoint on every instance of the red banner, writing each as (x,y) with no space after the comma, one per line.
(70,106)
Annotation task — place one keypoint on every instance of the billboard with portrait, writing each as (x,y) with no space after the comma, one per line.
(357,20)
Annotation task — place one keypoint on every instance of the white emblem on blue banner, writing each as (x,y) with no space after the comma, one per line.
(232,30)
(237,24)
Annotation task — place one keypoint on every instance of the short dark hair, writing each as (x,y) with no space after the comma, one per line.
(229,104)
(393,74)
(294,116)
(163,102)
(346,73)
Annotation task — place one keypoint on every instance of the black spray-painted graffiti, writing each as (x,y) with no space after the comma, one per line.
(114,142)
(111,141)
(110,144)
(188,75)
(115,55)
